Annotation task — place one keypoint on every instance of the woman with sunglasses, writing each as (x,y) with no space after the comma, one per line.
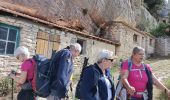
(96,82)
(24,79)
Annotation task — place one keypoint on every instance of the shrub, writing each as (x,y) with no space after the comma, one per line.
(160,30)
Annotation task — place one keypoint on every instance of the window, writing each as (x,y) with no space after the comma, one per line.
(150,42)
(143,39)
(164,21)
(135,38)
(8,39)
(83,45)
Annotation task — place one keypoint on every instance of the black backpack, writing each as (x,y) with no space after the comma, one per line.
(43,73)
(77,92)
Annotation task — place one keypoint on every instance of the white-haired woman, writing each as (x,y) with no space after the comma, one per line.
(96,85)
(138,78)
(24,79)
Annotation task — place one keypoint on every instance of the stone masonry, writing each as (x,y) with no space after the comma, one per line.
(162,46)
(125,35)
(28,34)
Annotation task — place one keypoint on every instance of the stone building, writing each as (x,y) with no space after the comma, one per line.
(162,47)
(19,27)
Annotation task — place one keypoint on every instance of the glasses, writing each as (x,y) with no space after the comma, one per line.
(110,59)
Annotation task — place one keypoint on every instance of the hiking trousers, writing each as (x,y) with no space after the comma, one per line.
(52,97)
(25,95)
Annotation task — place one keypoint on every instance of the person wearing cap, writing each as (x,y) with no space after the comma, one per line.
(24,79)
(64,69)
(95,84)
(138,78)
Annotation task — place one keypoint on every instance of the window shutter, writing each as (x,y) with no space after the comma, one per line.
(46,43)
(42,43)
(55,40)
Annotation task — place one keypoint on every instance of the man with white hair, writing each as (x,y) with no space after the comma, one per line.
(63,71)
(95,84)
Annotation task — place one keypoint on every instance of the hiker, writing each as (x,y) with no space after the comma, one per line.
(138,80)
(95,84)
(24,78)
(63,70)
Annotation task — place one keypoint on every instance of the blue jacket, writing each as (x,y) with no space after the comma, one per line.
(62,73)
(93,78)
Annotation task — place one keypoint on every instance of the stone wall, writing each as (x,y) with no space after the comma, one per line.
(27,38)
(125,35)
(28,34)
(150,45)
(162,46)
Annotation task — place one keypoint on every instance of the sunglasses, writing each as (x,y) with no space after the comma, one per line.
(110,59)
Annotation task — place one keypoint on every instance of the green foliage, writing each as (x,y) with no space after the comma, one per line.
(6,86)
(160,30)
(153,6)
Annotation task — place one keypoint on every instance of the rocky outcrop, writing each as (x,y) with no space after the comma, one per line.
(144,20)
(93,16)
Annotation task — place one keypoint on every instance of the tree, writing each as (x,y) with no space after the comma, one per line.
(162,30)
(153,6)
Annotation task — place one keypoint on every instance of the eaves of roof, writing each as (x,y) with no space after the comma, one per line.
(84,34)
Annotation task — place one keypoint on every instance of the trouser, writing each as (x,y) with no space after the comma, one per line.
(52,97)
(25,95)
(134,98)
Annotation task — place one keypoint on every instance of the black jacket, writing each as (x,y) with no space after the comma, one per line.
(94,82)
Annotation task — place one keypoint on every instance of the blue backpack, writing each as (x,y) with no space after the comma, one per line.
(43,73)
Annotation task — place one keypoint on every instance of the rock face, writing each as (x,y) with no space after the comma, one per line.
(107,10)
(144,20)
(90,15)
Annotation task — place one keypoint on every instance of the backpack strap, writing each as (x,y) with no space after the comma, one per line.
(28,83)
(33,64)
(130,67)
(149,84)
(129,64)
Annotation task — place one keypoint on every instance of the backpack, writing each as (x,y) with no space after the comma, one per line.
(121,90)
(43,73)
(77,92)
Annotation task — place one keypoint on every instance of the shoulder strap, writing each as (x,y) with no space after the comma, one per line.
(33,63)
(129,64)
(150,83)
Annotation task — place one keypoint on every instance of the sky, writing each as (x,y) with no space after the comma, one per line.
(166,0)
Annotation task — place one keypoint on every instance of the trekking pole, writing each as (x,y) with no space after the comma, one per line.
(12,89)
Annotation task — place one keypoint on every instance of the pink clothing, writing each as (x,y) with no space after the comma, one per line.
(137,77)
(28,66)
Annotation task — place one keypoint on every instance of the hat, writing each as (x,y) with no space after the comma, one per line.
(105,54)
